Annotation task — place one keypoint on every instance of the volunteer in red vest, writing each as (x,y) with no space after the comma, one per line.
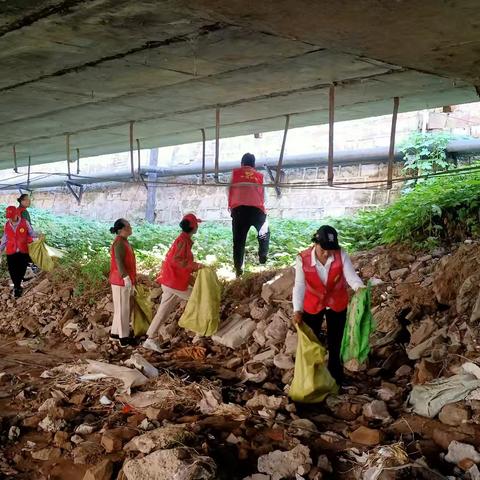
(322,273)
(123,272)
(175,278)
(17,234)
(23,204)
(246,202)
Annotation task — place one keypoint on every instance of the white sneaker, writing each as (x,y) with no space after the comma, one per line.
(151,344)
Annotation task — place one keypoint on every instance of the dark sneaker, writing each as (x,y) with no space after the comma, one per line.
(262,259)
(17,292)
(114,336)
(127,341)
(238,272)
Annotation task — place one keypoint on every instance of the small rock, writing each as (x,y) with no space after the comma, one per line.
(376,410)
(454,414)
(101,471)
(399,273)
(404,371)
(303,428)
(46,454)
(13,433)
(280,464)
(366,436)
(61,439)
(112,440)
(77,439)
(160,438)
(49,424)
(86,452)
(85,429)
(458,451)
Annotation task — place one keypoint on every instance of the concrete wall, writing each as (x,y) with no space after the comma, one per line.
(210,202)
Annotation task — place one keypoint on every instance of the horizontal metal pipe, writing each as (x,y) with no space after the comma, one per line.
(319,159)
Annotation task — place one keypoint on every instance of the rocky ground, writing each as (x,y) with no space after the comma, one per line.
(73,405)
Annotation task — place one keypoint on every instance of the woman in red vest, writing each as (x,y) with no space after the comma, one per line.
(17,234)
(175,278)
(122,278)
(322,273)
(246,202)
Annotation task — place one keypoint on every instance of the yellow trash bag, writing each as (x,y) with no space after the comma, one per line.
(312,381)
(142,310)
(202,313)
(39,254)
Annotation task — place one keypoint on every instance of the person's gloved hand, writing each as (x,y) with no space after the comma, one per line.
(298,318)
(127,282)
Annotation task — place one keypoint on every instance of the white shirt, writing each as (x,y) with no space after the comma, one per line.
(349,273)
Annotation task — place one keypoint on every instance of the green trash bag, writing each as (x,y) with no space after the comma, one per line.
(202,313)
(359,326)
(142,310)
(39,254)
(312,381)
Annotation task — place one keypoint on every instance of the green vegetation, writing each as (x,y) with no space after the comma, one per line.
(445,208)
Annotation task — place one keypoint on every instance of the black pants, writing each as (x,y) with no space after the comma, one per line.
(335,326)
(243,218)
(17,266)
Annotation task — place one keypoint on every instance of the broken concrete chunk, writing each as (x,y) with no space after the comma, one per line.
(283,361)
(260,400)
(160,438)
(280,464)
(255,372)
(303,427)
(279,287)
(49,424)
(377,410)
(130,377)
(276,330)
(175,463)
(458,451)
(235,331)
(144,366)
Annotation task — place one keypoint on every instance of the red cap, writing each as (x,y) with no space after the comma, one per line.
(11,212)
(192,220)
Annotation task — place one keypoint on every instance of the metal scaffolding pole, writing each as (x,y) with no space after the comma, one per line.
(391,151)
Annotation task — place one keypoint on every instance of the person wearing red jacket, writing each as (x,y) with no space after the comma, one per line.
(17,235)
(175,278)
(246,202)
(322,273)
(122,278)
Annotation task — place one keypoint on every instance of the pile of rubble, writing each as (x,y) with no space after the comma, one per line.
(218,407)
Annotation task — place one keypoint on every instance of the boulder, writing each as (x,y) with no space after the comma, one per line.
(178,463)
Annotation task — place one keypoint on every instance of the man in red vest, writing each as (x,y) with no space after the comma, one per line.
(246,202)
(175,278)
(17,234)
(322,273)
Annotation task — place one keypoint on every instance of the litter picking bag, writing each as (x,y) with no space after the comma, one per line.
(312,381)
(359,326)
(142,310)
(40,256)
(202,313)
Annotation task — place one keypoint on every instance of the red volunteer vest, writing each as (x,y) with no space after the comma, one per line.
(178,264)
(17,240)
(130,263)
(245,194)
(318,296)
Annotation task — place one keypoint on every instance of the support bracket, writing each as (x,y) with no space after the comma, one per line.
(279,174)
(78,196)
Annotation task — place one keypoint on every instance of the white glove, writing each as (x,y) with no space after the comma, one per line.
(127,281)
